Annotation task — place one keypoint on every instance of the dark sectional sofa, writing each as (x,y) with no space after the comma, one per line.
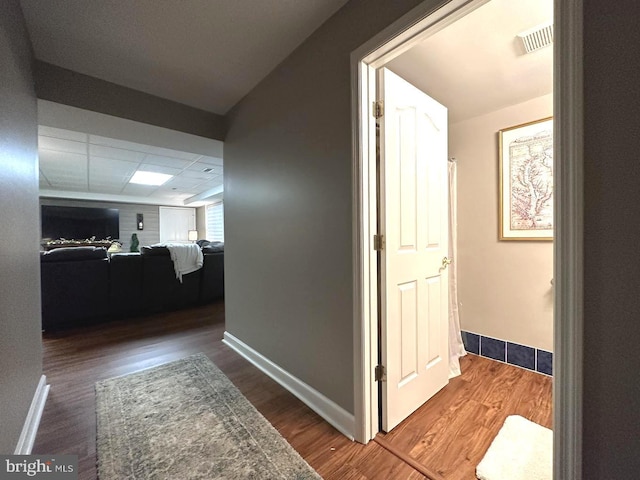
(82,285)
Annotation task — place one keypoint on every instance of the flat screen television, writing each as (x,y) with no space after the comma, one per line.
(79,223)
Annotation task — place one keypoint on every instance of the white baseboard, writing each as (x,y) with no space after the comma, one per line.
(337,416)
(32,422)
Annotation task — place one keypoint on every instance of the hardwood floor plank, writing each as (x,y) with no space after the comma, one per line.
(75,359)
(379,439)
(449,434)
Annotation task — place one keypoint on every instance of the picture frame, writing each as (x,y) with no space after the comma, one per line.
(526,181)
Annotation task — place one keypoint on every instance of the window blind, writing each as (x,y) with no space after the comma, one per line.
(215,222)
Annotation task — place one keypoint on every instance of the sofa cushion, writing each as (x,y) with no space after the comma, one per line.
(125,289)
(213,247)
(154,250)
(212,283)
(73,254)
(74,292)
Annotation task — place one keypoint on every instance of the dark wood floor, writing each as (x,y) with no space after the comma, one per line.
(449,434)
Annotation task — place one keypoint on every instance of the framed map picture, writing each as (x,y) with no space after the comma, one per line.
(526,181)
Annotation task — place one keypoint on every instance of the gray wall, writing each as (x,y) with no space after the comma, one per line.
(64,86)
(612,239)
(288,220)
(128,211)
(20,330)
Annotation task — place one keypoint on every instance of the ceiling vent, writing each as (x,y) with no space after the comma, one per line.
(207,170)
(537,37)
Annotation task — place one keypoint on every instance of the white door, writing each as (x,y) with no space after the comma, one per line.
(413,220)
(175,223)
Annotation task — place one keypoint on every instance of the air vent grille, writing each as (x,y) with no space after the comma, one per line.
(207,170)
(537,37)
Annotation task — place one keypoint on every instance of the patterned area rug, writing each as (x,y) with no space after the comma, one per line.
(186,420)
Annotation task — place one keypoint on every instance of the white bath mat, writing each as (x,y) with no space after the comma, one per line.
(522,450)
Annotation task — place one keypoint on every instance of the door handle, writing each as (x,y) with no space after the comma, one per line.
(446,261)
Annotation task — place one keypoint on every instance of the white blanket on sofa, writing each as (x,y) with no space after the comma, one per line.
(187,258)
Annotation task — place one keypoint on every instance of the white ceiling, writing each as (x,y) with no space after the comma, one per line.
(475,65)
(204,53)
(209,53)
(101,167)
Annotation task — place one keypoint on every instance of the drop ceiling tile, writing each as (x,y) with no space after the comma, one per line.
(117,186)
(138,190)
(59,162)
(163,190)
(167,161)
(61,133)
(182,182)
(166,152)
(61,145)
(199,191)
(56,178)
(138,147)
(171,196)
(216,182)
(116,153)
(111,163)
(111,167)
(211,161)
(202,177)
(146,167)
(58,174)
(122,144)
(107,180)
(69,185)
(54,175)
(103,188)
(111,186)
(183,196)
(200,167)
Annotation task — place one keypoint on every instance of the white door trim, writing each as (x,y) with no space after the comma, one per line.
(568,104)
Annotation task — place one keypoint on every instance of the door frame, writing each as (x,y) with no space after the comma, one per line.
(417,24)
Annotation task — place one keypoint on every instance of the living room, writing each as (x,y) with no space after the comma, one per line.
(114,193)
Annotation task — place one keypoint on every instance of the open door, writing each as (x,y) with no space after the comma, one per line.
(413,267)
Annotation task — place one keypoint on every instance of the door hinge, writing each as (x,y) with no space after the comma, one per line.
(378,242)
(378,109)
(380,373)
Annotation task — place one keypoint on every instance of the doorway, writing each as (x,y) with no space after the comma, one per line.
(399,37)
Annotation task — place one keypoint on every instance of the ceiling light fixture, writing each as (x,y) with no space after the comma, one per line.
(149,178)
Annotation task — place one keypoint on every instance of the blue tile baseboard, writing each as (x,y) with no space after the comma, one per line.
(522,356)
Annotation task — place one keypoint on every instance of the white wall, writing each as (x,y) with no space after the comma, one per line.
(504,286)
